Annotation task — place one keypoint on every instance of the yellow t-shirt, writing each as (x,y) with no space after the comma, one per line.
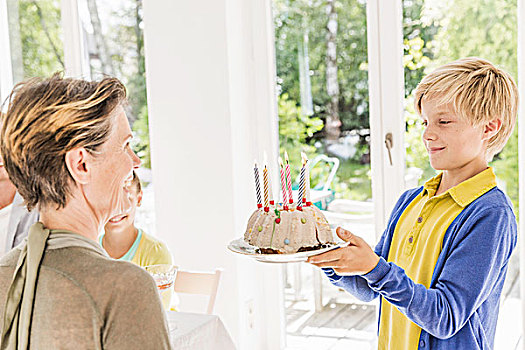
(151,252)
(417,243)
(146,250)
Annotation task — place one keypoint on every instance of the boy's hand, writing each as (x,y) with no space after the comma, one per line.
(355,259)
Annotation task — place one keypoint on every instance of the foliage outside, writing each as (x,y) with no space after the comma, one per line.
(37,51)
(435,32)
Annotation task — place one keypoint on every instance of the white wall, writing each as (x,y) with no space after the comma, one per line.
(210,74)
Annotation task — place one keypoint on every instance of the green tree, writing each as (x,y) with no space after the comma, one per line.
(37,32)
(292,18)
(419,32)
(418,49)
(124,35)
(295,18)
(295,129)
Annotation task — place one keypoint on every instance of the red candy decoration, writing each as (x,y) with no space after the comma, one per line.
(278,220)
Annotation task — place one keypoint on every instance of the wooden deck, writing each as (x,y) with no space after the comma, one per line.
(346,323)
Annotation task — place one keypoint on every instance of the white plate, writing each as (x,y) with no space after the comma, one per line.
(240,246)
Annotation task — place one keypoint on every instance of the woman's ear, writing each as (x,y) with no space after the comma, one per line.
(139,198)
(491,128)
(78,164)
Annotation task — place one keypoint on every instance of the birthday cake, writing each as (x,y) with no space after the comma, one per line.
(287,227)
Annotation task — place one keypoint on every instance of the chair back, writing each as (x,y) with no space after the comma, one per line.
(334,165)
(198,282)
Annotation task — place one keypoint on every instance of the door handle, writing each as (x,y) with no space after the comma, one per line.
(389,143)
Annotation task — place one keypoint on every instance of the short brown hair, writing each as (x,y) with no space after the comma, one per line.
(45,119)
(478,91)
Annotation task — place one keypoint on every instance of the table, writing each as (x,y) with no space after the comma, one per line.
(189,331)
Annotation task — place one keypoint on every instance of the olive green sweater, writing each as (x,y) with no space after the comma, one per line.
(86,300)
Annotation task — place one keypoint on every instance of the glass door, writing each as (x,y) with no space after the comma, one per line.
(323,107)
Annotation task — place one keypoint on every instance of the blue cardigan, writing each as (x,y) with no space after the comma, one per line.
(460,309)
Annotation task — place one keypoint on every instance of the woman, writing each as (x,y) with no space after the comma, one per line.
(66,147)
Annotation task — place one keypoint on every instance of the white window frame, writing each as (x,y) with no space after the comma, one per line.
(76,57)
(386,93)
(6,72)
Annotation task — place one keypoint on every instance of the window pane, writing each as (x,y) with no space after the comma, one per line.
(116,47)
(321,55)
(115,43)
(322,77)
(36,38)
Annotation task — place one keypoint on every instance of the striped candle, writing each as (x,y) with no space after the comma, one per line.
(270,191)
(257,186)
(265,182)
(283,181)
(288,178)
(307,180)
(269,179)
(301,187)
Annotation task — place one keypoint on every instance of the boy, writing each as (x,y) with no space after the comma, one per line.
(440,265)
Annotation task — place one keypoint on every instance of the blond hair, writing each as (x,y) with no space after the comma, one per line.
(478,92)
(45,119)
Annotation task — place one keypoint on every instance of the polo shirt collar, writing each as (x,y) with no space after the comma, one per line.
(467,191)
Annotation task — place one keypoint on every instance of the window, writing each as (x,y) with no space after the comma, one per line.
(115,43)
(35,38)
(322,85)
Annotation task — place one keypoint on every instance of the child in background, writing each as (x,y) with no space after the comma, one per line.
(123,241)
(440,265)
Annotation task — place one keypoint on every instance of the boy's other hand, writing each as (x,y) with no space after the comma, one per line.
(355,259)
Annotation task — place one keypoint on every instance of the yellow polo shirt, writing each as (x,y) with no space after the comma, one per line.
(417,243)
